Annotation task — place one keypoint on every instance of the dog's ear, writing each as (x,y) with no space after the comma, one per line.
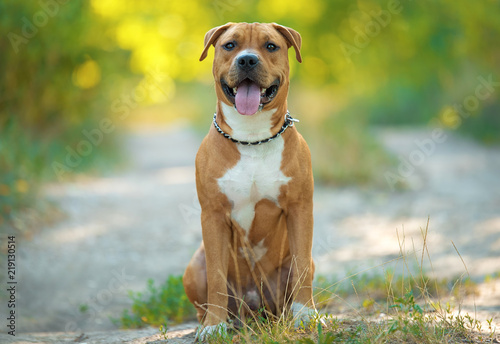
(292,37)
(211,37)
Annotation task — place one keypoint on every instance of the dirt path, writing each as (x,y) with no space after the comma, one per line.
(122,229)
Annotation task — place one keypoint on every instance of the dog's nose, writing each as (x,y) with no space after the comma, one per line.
(247,61)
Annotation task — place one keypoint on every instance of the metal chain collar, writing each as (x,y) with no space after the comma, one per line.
(289,122)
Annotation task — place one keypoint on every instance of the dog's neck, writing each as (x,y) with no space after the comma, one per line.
(261,125)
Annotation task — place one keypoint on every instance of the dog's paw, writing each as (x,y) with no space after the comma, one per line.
(206,331)
(305,315)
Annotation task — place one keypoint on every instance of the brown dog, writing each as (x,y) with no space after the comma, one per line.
(254,183)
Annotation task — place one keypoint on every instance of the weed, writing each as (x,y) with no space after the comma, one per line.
(163,330)
(158,306)
(397,309)
(327,338)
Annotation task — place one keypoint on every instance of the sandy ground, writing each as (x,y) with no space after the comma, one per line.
(122,229)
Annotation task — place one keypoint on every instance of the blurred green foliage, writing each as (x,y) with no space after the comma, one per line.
(67,65)
(58,74)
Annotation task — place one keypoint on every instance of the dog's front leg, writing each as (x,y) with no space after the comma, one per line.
(216,236)
(300,234)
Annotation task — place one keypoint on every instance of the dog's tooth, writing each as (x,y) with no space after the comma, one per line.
(235,90)
(262,91)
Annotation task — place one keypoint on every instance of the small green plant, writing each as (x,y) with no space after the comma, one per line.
(163,330)
(407,304)
(327,338)
(158,306)
(410,319)
(492,277)
(83,308)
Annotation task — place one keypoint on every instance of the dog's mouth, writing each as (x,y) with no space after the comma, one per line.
(248,96)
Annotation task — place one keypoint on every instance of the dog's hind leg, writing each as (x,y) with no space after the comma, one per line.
(195,282)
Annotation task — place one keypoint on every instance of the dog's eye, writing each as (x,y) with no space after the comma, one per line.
(271,47)
(229,46)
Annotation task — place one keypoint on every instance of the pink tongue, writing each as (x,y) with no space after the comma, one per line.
(247,98)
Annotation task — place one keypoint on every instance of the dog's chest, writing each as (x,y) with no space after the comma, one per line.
(256,176)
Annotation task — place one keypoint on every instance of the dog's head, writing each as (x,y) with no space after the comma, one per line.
(251,64)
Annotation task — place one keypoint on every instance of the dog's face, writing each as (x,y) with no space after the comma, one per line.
(251,64)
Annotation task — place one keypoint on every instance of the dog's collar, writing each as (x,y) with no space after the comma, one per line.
(289,121)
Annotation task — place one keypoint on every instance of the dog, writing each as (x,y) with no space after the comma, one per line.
(255,185)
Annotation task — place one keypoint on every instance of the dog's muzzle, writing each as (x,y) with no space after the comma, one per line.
(248,96)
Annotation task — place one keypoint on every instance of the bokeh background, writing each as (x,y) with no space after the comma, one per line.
(66,65)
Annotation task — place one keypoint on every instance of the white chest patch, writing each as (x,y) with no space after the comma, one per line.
(256,176)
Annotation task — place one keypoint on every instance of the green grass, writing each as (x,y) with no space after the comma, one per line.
(371,288)
(407,323)
(158,306)
(406,318)
(404,307)
(411,315)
